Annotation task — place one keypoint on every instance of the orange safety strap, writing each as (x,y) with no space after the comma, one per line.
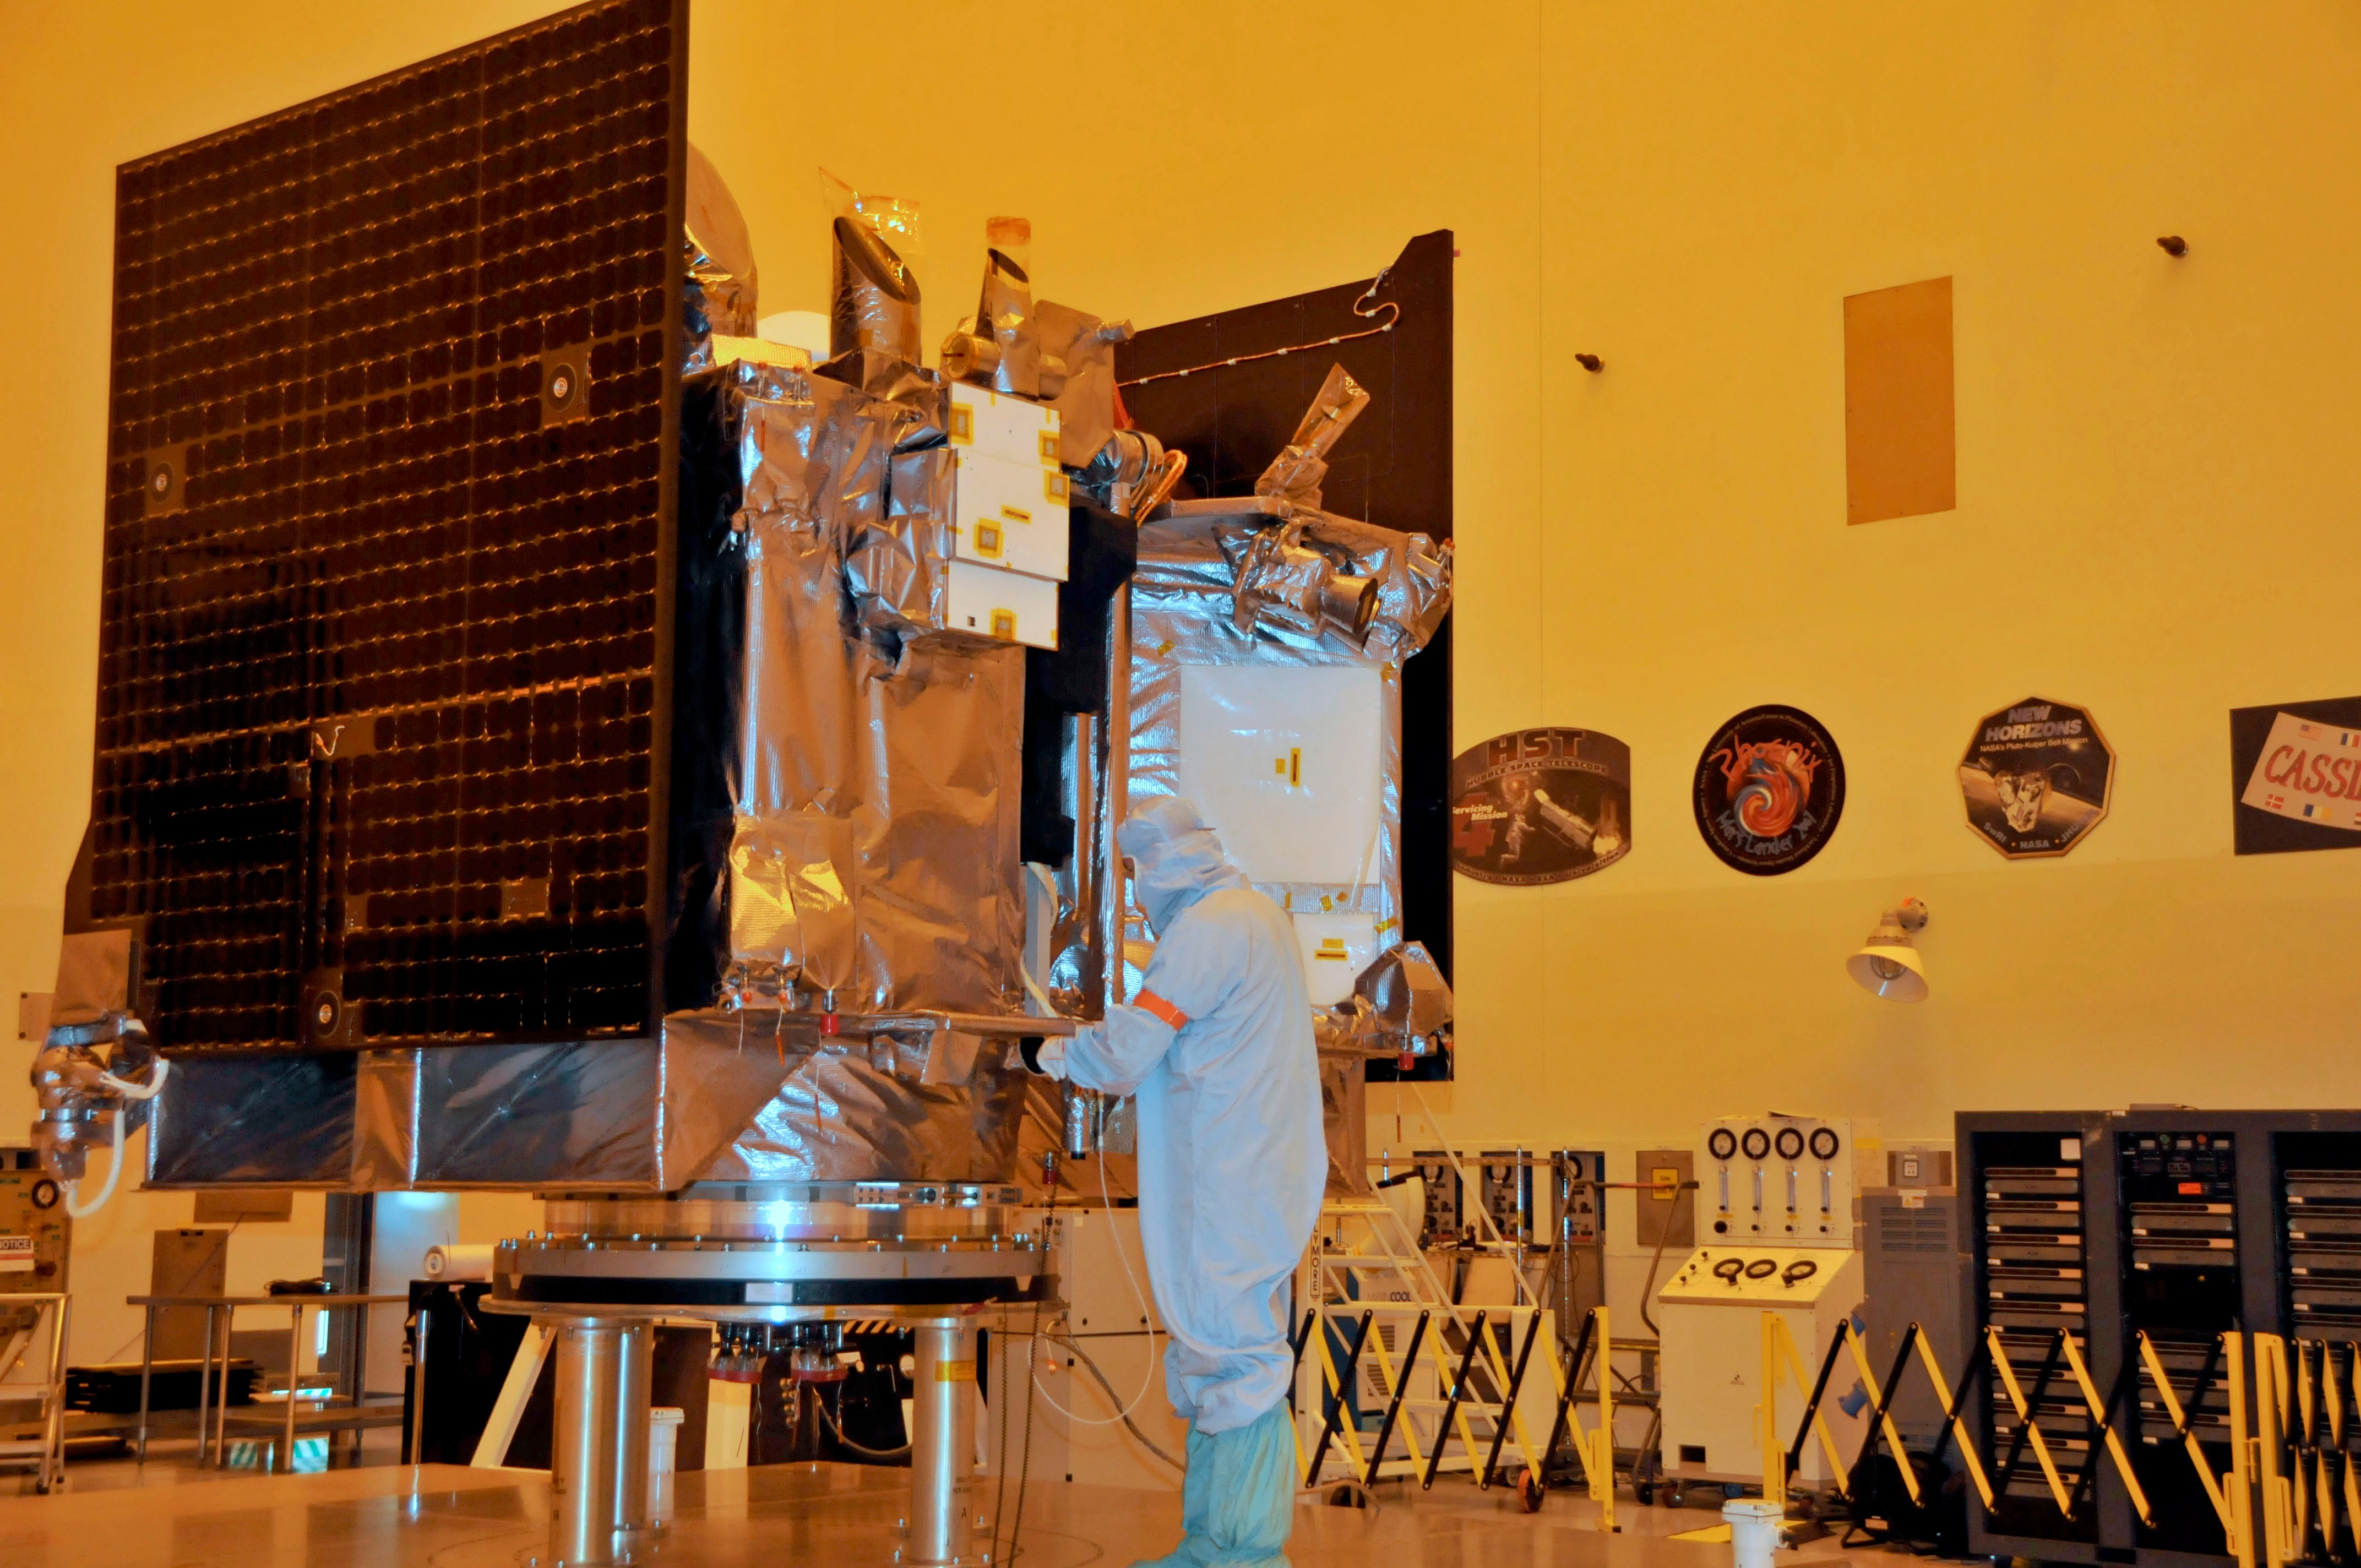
(1149,1001)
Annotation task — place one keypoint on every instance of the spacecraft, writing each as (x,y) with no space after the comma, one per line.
(553,740)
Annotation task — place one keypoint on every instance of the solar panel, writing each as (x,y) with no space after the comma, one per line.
(383,651)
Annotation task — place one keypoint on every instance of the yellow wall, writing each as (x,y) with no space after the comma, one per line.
(2157,474)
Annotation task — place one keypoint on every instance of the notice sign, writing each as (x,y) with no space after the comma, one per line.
(2037,776)
(15,1255)
(2297,769)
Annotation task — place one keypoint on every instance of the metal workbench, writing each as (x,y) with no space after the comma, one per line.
(327,1415)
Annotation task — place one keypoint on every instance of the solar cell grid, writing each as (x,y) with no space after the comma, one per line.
(380,630)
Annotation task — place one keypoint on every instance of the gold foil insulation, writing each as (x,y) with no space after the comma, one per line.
(1295,475)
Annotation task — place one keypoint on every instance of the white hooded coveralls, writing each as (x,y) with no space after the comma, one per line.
(1232,1159)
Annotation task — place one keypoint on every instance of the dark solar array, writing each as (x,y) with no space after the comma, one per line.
(386,488)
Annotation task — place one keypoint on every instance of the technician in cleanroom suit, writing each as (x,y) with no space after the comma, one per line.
(1232,1166)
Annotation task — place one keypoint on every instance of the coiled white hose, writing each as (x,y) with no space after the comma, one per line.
(129,1091)
(1148,1373)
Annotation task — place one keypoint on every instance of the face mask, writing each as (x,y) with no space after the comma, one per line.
(1161,904)
(1168,874)
(1135,902)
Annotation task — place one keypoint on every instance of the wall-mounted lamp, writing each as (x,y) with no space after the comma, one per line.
(1887,964)
(2173,244)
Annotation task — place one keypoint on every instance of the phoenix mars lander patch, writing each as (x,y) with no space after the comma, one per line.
(1770,789)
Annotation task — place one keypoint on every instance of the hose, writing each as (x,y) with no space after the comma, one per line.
(1663,1234)
(1148,1373)
(1351,1489)
(114,1173)
(837,1431)
(1033,989)
(1032,1386)
(1155,488)
(128,1090)
(1145,1441)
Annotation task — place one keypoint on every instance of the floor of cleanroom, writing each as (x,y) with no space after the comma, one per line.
(449,1516)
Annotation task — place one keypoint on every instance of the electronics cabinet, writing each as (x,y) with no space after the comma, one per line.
(2177,1221)
(2181,1225)
(1909,1265)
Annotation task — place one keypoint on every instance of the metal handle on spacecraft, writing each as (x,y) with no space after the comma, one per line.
(992,1025)
(1081,1121)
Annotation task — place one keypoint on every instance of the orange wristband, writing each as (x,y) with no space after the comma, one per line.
(1149,1001)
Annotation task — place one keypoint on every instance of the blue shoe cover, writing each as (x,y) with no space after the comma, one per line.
(1237,1497)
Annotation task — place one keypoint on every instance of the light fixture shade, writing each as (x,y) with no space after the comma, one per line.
(1904,976)
(1888,964)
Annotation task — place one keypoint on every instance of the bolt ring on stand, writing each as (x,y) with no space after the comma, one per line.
(599,1461)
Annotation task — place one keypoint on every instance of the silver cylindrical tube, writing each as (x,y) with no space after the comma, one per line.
(1081,1116)
(1090,861)
(1114,793)
(942,1480)
(635,1381)
(586,1448)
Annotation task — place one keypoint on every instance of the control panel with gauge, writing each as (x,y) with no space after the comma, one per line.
(1787,1180)
(1760,1275)
(1710,1323)
(36,1237)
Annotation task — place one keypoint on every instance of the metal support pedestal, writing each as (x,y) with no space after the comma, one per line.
(769,1247)
(599,1449)
(598,1442)
(942,1459)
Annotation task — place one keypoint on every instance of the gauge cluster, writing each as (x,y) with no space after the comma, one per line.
(1783,1179)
